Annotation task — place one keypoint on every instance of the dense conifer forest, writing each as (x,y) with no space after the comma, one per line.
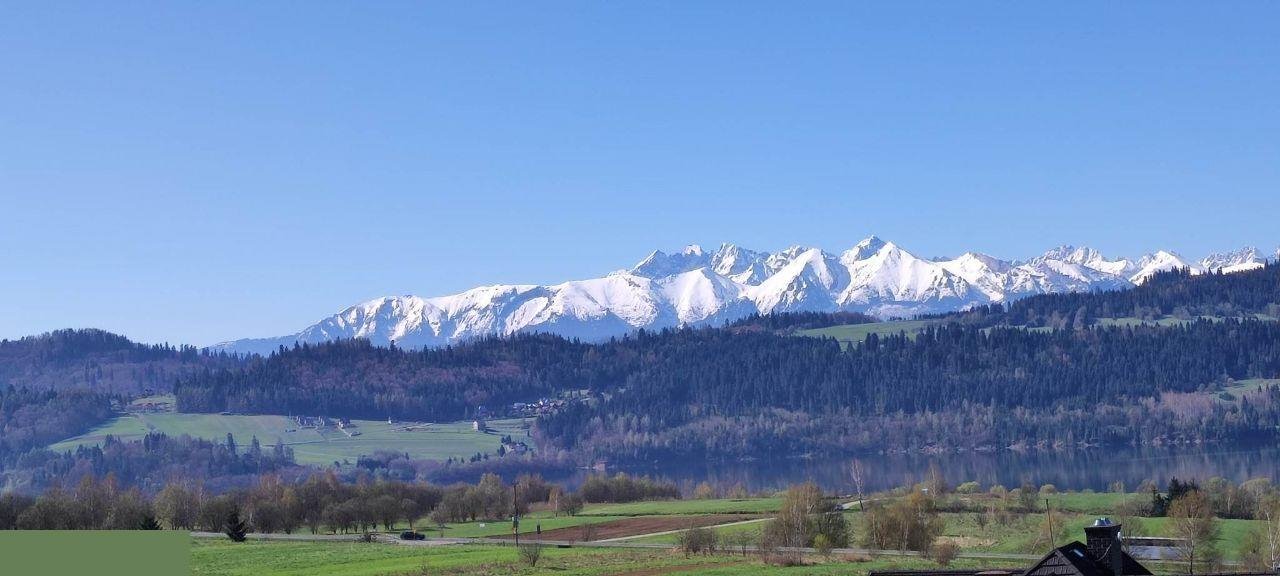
(766,390)
(99,360)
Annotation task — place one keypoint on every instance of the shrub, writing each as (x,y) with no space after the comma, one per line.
(530,554)
(944,552)
(569,504)
(969,488)
(822,545)
(697,540)
(910,523)
(834,528)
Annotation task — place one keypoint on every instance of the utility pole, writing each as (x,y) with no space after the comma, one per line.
(1049,511)
(515,513)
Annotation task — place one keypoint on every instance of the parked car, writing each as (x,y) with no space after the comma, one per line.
(411,535)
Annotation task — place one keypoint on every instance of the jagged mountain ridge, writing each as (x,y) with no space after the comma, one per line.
(697,287)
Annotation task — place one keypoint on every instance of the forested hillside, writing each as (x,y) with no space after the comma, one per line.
(100,361)
(34,418)
(356,379)
(60,384)
(749,387)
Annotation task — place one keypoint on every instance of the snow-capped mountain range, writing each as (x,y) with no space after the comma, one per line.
(696,287)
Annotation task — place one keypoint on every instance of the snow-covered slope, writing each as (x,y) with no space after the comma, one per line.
(1246,258)
(890,281)
(1161,261)
(695,287)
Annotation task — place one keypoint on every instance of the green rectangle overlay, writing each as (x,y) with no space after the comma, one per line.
(96,552)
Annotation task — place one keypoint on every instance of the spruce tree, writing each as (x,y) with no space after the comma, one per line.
(234,527)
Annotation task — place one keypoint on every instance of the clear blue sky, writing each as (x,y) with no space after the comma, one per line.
(195,172)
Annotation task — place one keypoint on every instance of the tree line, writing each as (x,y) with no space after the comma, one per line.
(319,502)
(1172,293)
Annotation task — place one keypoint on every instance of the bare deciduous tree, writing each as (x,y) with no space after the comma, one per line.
(1191,520)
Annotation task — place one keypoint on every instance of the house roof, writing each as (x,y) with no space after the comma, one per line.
(944,572)
(1070,560)
(1074,560)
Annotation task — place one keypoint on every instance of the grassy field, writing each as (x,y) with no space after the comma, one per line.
(528,524)
(310,446)
(223,558)
(1012,533)
(851,334)
(1250,385)
(685,507)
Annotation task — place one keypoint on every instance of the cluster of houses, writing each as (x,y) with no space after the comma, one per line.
(542,407)
(343,425)
(513,446)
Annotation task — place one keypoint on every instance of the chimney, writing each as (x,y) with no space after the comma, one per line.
(1103,541)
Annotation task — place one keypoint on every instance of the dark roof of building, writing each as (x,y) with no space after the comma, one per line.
(1074,560)
(942,572)
(1070,560)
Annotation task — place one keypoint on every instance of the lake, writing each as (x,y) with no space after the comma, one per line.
(1082,469)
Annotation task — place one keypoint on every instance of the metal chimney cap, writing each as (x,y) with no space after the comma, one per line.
(1102,522)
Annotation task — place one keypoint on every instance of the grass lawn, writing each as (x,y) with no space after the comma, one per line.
(1250,385)
(1097,503)
(685,507)
(257,558)
(1023,534)
(852,334)
(528,525)
(310,446)
(753,529)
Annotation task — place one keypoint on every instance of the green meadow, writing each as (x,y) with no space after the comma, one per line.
(853,334)
(219,557)
(310,446)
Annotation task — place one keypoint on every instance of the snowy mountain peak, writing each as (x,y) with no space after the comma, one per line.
(1246,258)
(1072,254)
(864,249)
(1160,261)
(742,266)
(659,264)
(1086,257)
(695,287)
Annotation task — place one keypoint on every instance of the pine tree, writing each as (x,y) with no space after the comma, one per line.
(234,527)
(149,523)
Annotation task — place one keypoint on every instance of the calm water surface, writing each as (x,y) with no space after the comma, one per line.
(1068,470)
